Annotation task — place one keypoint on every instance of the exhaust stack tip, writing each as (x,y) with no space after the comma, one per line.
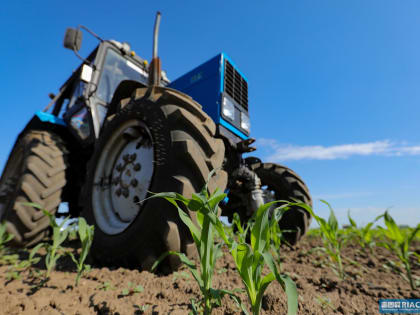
(155,66)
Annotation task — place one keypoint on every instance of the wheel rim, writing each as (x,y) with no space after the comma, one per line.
(122,177)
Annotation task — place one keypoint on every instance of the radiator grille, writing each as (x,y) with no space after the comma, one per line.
(235,85)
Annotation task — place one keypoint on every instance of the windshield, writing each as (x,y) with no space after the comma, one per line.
(116,69)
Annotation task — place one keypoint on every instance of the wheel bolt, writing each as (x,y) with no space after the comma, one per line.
(119,167)
(118,192)
(137,167)
(125,157)
(126,193)
(133,157)
(134,182)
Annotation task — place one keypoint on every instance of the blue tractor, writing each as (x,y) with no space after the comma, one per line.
(117,130)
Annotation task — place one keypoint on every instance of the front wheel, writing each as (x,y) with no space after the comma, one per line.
(34,173)
(160,143)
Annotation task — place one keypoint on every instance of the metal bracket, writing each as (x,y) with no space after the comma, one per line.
(244,146)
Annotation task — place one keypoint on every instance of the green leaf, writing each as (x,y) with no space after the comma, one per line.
(211,174)
(286,282)
(215,199)
(35,250)
(292,295)
(262,286)
(413,234)
(394,231)
(195,205)
(236,299)
(332,220)
(195,232)
(259,232)
(125,292)
(352,222)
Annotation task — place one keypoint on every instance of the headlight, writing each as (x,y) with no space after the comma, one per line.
(228,108)
(245,123)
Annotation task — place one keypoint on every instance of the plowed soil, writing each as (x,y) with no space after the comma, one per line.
(104,290)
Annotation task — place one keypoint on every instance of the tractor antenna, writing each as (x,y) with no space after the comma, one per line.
(155,66)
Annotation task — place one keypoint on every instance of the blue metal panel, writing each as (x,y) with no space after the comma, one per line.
(205,85)
(234,65)
(235,130)
(46,117)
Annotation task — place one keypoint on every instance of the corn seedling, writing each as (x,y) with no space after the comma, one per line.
(132,289)
(105,286)
(206,209)
(331,237)
(276,234)
(4,237)
(85,233)
(325,302)
(241,229)
(363,235)
(5,257)
(180,275)
(251,258)
(18,267)
(398,243)
(54,250)
(314,233)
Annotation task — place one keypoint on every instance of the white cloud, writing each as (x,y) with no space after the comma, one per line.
(278,152)
(349,195)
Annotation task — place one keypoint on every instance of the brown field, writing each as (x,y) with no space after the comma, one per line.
(104,290)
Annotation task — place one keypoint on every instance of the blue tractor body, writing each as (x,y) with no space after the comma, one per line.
(215,83)
(117,130)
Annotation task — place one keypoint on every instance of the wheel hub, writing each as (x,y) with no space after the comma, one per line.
(127,161)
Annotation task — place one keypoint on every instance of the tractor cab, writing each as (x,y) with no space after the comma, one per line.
(83,101)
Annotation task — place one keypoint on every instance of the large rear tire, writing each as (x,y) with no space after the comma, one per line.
(163,142)
(285,184)
(35,173)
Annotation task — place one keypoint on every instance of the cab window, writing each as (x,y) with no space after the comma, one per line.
(116,69)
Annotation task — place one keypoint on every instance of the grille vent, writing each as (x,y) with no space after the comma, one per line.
(235,85)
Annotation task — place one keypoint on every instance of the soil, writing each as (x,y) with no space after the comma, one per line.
(110,290)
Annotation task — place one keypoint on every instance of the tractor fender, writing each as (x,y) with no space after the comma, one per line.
(124,90)
(132,90)
(47,122)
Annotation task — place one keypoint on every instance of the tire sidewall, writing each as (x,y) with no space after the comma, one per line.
(144,233)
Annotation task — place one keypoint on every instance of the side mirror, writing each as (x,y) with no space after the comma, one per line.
(73,39)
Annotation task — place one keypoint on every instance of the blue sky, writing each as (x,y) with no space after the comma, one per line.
(333,85)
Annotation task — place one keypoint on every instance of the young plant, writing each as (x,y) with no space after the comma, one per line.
(85,233)
(5,257)
(331,237)
(276,234)
(105,286)
(18,267)
(54,250)
(398,242)
(364,234)
(4,237)
(206,209)
(241,229)
(132,289)
(251,258)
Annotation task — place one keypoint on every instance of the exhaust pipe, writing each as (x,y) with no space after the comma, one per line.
(155,65)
